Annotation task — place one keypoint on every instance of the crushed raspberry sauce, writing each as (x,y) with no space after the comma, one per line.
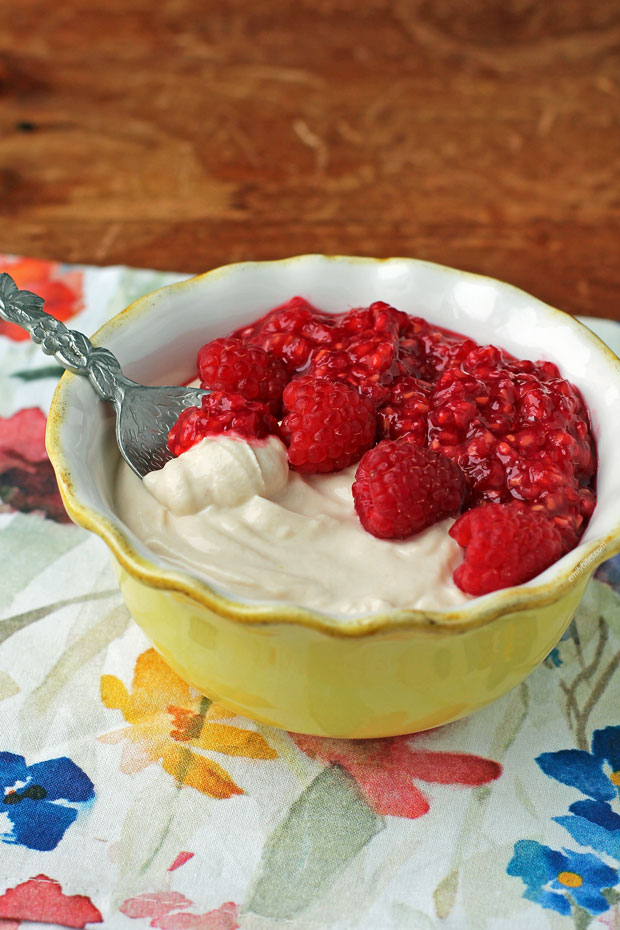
(516,429)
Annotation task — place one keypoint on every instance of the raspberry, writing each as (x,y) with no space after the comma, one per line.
(291,317)
(376,393)
(229,365)
(364,351)
(365,364)
(290,332)
(327,425)
(400,489)
(221,412)
(386,319)
(505,545)
(405,413)
(372,354)
(433,350)
(287,318)
(293,350)
(379,316)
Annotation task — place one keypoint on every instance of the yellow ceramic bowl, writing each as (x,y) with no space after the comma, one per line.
(379,674)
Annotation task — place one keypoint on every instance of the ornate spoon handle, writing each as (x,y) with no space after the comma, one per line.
(68,346)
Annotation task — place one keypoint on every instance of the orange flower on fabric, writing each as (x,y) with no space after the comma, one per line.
(61,291)
(169,722)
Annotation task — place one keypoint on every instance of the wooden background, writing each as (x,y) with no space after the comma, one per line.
(180,135)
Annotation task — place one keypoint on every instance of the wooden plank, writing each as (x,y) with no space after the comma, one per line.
(183,135)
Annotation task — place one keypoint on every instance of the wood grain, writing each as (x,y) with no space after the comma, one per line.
(182,135)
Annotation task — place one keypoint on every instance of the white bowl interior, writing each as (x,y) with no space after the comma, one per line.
(157,343)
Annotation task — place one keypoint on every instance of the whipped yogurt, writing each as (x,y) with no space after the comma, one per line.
(221,471)
(232,513)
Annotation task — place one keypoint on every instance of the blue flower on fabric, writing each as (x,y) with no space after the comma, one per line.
(554,658)
(552,878)
(596,774)
(37,802)
(609,571)
(594,824)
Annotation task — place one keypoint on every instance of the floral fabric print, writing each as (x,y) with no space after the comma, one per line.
(130,801)
(27,480)
(595,773)
(563,881)
(552,878)
(41,899)
(39,801)
(173,724)
(168,911)
(61,290)
(386,769)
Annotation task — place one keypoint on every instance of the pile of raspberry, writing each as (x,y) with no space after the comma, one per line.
(440,426)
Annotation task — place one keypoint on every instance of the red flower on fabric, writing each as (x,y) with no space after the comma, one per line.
(159,905)
(61,291)
(385,769)
(41,899)
(27,480)
(180,860)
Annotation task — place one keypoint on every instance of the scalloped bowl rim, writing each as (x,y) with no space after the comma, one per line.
(470,615)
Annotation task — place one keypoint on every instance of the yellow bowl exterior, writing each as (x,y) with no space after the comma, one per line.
(305,680)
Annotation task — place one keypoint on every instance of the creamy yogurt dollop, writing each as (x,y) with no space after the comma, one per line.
(233,513)
(222,471)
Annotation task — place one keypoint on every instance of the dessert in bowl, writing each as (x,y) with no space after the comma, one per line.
(375,670)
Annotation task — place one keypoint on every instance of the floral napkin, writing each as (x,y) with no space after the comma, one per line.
(128,800)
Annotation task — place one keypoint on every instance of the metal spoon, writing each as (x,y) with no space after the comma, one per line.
(144,415)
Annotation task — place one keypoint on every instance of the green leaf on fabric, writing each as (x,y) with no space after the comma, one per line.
(517,704)
(581,918)
(110,627)
(523,797)
(8,687)
(324,830)
(27,546)
(11,625)
(38,374)
(444,894)
(147,844)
